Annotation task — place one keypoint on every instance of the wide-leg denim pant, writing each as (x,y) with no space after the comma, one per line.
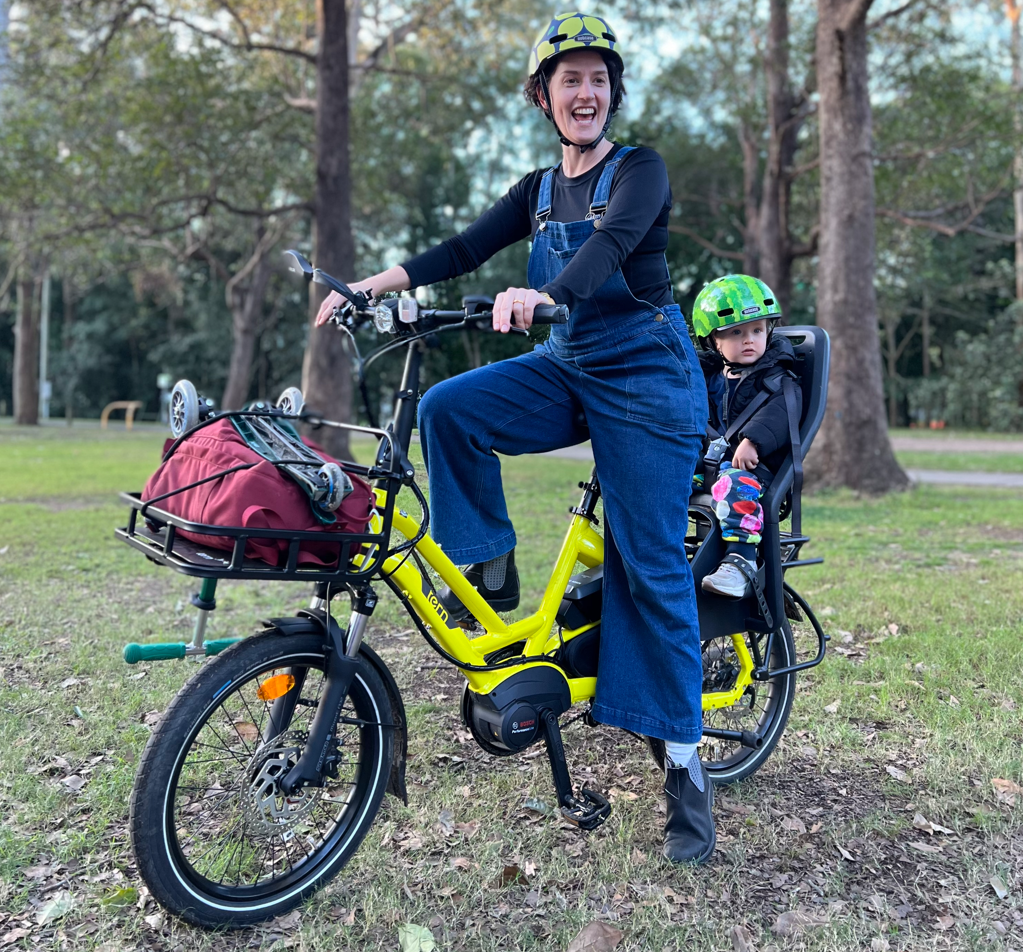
(642,396)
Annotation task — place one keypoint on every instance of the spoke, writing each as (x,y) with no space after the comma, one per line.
(238,757)
(200,743)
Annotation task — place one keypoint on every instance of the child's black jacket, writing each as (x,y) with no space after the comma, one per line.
(768,428)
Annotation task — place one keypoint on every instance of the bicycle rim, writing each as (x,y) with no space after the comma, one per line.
(233,843)
(763,709)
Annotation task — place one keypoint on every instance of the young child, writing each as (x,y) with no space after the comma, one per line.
(743,361)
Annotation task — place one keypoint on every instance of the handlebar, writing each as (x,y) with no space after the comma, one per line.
(403,316)
(542,314)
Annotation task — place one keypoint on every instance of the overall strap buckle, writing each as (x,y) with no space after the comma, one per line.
(543,201)
(602,193)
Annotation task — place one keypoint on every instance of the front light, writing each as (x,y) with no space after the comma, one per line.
(383,319)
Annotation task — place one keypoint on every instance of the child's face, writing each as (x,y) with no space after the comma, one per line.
(743,343)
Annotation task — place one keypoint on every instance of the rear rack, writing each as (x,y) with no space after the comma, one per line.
(157,536)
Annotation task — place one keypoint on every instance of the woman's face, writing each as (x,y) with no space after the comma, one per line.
(580,95)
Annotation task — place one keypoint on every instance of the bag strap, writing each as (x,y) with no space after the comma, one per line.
(792,410)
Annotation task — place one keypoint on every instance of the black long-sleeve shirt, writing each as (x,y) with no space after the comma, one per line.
(632,235)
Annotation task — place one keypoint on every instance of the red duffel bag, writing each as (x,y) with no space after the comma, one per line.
(261,497)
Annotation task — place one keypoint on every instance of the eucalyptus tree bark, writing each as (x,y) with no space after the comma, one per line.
(852,448)
(245,293)
(326,375)
(784,120)
(769,249)
(26,353)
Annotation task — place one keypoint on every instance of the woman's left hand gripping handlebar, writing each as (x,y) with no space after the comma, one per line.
(335,300)
(515,306)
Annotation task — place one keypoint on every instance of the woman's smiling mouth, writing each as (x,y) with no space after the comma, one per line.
(584,113)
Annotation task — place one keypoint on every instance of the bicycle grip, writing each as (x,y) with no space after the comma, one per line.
(162,651)
(550,314)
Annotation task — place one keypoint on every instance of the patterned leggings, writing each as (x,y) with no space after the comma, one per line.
(737,506)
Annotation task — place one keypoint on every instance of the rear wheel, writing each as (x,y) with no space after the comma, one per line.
(763,708)
(215,840)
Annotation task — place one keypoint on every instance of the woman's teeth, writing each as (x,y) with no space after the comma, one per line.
(581,115)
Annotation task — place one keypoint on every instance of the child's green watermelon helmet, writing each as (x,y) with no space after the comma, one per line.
(733,299)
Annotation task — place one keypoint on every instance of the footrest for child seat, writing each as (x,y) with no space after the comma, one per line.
(588,810)
(755,582)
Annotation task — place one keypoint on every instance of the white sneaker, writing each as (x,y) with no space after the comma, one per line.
(728,580)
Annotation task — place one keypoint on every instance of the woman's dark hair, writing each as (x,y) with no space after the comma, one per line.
(614,73)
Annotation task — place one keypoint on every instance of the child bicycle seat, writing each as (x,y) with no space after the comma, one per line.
(813,352)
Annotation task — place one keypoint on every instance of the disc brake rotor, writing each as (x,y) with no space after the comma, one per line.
(266,809)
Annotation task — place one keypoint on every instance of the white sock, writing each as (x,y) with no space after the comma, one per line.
(678,755)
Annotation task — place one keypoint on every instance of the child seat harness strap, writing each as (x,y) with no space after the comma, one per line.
(601,194)
(770,386)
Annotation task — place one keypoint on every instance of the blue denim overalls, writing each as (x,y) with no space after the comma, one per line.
(629,369)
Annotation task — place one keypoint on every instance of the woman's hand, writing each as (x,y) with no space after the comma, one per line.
(746,457)
(515,306)
(393,279)
(334,299)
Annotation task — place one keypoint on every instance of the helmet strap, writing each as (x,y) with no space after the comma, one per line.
(549,113)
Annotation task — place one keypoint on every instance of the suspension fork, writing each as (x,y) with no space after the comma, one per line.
(342,664)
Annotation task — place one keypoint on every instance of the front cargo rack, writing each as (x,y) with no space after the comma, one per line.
(157,535)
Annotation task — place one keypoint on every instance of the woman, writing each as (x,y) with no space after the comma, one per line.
(621,373)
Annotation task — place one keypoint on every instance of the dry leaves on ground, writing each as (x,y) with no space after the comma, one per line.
(596,937)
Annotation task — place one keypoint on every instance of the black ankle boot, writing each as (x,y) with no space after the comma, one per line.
(689,835)
(501,599)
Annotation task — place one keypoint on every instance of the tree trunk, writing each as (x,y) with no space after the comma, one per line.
(783,126)
(326,375)
(70,373)
(852,448)
(750,190)
(26,355)
(1013,8)
(246,303)
(892,354)
(925,334)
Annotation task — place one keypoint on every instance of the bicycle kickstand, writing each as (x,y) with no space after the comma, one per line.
(589,809)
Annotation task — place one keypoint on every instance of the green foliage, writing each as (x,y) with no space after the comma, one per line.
(981,386)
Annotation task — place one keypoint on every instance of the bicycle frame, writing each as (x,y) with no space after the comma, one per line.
(581,544)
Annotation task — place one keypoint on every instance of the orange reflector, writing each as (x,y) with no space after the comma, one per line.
(277,686)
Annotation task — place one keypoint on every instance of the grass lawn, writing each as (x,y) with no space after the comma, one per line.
(889,817)
(962,462)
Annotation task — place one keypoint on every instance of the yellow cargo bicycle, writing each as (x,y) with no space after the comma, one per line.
(269,766)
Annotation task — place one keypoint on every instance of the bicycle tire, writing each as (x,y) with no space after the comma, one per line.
(728,761)
(247,827)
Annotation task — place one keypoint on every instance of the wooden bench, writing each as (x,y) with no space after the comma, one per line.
(129,407)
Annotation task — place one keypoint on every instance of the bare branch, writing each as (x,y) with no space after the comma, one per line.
(796,170)
(248,46)
(891,14)
(12,273)
(399,34)
(808,247)
(301,103)
(709,245)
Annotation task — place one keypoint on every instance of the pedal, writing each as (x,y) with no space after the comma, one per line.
(588,810)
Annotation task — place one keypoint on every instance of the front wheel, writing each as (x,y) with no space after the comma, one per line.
(214,839)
